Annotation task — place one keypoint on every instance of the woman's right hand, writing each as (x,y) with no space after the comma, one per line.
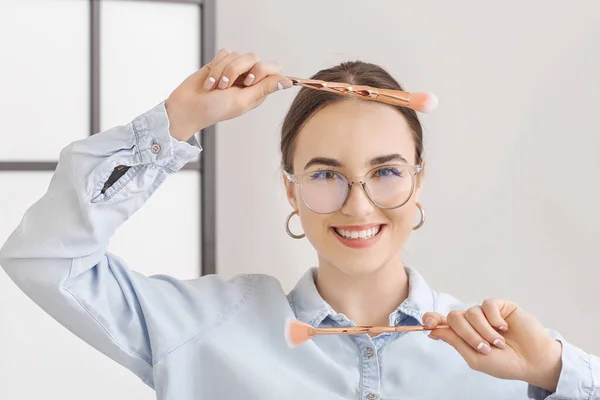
(208,95)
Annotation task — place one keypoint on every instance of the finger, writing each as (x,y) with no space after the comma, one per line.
(218,57)
(479,322)
(217,69)
(262,70)
(496,311)
(467,352)
(271,84)
(211,80)
(433,319)
(459,324)
(236,68)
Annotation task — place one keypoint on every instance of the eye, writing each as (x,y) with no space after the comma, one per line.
(323,175)
(388,172)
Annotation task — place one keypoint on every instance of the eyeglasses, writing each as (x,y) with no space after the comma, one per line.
(326,191)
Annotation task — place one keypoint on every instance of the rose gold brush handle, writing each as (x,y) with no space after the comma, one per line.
(389,96)
(355,330)
(393,97)
(418,101)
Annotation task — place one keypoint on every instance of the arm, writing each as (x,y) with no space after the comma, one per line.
(57,255)
(579,376)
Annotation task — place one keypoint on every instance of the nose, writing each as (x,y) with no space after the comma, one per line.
(358,204)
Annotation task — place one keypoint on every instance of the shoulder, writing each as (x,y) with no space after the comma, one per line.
(225,292)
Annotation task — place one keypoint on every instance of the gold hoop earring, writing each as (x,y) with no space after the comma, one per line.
(287,226)
(422,221)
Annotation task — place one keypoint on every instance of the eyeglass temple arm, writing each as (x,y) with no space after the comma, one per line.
(290,177)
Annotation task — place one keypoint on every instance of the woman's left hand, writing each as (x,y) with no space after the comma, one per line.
(502,340)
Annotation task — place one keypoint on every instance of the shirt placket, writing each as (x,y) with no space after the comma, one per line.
(370,372)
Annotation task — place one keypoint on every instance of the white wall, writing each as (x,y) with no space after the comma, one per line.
(513,150)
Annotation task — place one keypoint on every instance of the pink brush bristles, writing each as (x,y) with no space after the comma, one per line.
(297,332)
(423,102)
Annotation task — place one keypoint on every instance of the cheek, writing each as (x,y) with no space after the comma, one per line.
(404,219)
(313,224)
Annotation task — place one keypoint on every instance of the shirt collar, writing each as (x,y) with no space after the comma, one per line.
(309,307)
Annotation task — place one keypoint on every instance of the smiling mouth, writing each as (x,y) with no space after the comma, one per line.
(363,234)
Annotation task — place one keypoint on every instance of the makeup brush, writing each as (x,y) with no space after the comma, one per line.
(419,101)
(297,332)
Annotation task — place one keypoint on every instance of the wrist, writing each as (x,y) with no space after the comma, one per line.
(181,127)
(547,375)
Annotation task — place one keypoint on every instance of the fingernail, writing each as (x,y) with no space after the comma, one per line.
(429,322)
(249,79)
(210,83)
(499,343)
(284,84)
(484,348)
(224,82)
(503,328)
(433,337)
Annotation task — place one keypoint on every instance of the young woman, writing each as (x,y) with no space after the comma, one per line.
(353,171)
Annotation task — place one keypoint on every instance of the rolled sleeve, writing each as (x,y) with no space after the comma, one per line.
(155,145)
(579,377)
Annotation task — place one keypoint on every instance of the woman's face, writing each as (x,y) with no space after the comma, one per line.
(355,138)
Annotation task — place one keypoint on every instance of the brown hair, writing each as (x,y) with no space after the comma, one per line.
(309,101)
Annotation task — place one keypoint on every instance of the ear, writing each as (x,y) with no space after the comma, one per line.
(420,178)
(290,191)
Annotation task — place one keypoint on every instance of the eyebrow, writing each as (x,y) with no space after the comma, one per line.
(387,158)
(332,162)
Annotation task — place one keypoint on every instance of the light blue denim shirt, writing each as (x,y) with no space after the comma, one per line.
(209,338)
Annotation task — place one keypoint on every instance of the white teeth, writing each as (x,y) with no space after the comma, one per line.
(364,234)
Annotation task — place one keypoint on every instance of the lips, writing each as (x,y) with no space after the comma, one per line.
(358,236)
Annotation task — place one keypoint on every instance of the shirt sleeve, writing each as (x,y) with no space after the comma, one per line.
(58,254)
(579,376)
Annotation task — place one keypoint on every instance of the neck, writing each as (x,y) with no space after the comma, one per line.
(366,299)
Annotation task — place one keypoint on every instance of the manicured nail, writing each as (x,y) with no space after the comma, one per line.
(284,84)
(499,343)
(224,82)
(249,79)
(484,348)
(429,322)
(503,328)
(210,83)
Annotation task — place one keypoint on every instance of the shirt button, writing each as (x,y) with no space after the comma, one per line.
(369,352)
(155,148)
(371,396)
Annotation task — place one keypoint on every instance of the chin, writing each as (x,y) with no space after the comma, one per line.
(360,256)
(354,267)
